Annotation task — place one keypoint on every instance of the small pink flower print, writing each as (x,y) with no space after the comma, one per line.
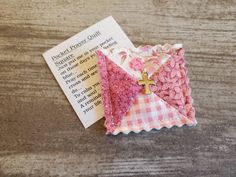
(145,48)
(166,48)
(136,64)
(152,65)
(123,56)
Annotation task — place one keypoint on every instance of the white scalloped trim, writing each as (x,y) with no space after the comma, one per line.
(148,129)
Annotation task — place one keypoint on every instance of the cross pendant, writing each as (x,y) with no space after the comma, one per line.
(146,82)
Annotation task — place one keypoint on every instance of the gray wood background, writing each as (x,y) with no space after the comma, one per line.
(40,134)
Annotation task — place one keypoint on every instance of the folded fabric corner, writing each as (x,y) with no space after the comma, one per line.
(127,106)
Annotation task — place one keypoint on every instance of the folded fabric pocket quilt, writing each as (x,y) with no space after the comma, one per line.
(145,88)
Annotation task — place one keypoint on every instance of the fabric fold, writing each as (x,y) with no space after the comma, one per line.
(118,90)
(126,107)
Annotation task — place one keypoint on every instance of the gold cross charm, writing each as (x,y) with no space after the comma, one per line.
(146,82)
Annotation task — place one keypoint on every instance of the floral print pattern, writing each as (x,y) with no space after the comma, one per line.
(136,64)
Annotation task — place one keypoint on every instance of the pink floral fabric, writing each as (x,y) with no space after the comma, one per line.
(136,64)
(172,85)
(119,74)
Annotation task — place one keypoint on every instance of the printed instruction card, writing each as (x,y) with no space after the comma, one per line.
(74,65)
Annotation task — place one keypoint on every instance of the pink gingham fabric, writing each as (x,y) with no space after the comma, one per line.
(150,112)
(126,107)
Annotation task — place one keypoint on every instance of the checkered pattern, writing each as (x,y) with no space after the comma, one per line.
(150,112)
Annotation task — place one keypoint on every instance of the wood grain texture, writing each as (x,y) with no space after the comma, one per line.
(40,134)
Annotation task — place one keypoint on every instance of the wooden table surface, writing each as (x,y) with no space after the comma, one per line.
(40,134)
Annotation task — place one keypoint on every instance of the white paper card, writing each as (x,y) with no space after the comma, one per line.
(74,65)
